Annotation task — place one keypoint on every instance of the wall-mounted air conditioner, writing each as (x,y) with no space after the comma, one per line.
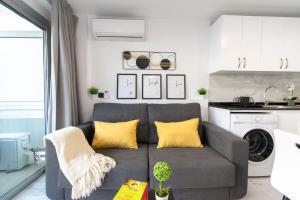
(119,29)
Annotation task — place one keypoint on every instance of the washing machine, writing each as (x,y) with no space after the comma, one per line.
(258,130)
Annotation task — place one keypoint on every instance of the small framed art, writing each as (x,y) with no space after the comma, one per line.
(151,86)
(126,86)
(175,86)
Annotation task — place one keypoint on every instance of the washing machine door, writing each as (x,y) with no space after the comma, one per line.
(261,144)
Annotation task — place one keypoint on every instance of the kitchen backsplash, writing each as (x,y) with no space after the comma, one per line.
(226,87)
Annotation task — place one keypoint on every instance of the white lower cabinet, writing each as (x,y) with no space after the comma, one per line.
(288,120)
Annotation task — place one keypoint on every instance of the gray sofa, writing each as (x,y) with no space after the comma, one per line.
(217,171)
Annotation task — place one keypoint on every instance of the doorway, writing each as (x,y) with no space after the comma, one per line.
(22,100)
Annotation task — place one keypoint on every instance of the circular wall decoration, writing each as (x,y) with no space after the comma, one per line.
(149,60)
(126,55)
(142,62)
(155,59)
(165,64)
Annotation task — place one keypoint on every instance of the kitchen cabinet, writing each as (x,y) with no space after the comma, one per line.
(255,43)
(272,57)
(280,44)
(291,46)
(235,43)
(250,43)
(288,120)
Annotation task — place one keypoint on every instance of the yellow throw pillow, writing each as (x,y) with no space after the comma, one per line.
(115,135)
(178,134)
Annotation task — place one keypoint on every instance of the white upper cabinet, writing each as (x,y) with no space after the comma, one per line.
(226,43)
(272,44)
(280,44)
(291,46)
(250,43)
(231,42)
(254,43)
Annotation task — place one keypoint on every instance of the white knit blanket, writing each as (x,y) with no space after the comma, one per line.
(82,166)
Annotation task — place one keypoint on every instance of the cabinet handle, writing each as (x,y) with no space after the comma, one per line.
(281,63)
(287,63)
(239,59)
(245,63)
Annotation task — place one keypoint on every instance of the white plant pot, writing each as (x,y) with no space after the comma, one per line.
(203,97)
(161,198)
(92,96)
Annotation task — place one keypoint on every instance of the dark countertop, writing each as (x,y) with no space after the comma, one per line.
(254,106)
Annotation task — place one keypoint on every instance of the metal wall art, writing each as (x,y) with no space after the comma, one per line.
(149,60)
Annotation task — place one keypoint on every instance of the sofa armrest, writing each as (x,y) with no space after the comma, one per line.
(88,130)
(53,190)
(234,149)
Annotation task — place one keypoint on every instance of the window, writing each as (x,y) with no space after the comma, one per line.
(23,62)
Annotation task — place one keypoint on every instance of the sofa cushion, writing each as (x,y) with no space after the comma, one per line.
(131,164)
(115,135)
(115,112)
(196,168)
(178,134)
(171,113)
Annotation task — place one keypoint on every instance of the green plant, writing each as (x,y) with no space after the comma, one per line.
(162,173)
(290,89)
(202,91)
(93,90)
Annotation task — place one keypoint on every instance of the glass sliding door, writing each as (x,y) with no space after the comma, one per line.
(22,114)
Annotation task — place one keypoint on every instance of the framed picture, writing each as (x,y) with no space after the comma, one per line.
(176,86)
(149,60)
(151,86)
(126,86)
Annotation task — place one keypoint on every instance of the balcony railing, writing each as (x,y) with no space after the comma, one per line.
(24,116)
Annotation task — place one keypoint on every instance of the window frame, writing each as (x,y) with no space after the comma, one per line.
(28,13)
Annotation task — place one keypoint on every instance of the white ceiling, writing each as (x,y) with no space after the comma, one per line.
(186,9)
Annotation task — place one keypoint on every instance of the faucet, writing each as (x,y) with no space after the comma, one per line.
(265,94)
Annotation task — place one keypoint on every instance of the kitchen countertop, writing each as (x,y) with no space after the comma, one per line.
(254,106)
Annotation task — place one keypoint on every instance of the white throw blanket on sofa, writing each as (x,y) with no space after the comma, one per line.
(82,166)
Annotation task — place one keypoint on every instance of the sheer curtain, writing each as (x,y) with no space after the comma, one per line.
(63,25)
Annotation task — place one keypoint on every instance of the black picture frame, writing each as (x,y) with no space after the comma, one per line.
(160,86)
(168,85)
(135,85)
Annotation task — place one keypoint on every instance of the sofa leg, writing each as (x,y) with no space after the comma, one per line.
(285,198)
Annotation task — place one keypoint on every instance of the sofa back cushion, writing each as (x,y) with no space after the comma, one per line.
(171,113)
(115,112)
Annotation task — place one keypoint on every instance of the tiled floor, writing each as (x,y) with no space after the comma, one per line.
(258,189)
(17,177)
(35,191)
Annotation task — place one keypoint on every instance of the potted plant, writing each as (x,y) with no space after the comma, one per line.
(290,97)
(202,91)
(92,91)
(162,173)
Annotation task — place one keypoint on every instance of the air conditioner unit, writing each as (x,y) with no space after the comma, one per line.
(14,153)
(119,29)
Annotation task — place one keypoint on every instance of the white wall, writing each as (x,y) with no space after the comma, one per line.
(100,61)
